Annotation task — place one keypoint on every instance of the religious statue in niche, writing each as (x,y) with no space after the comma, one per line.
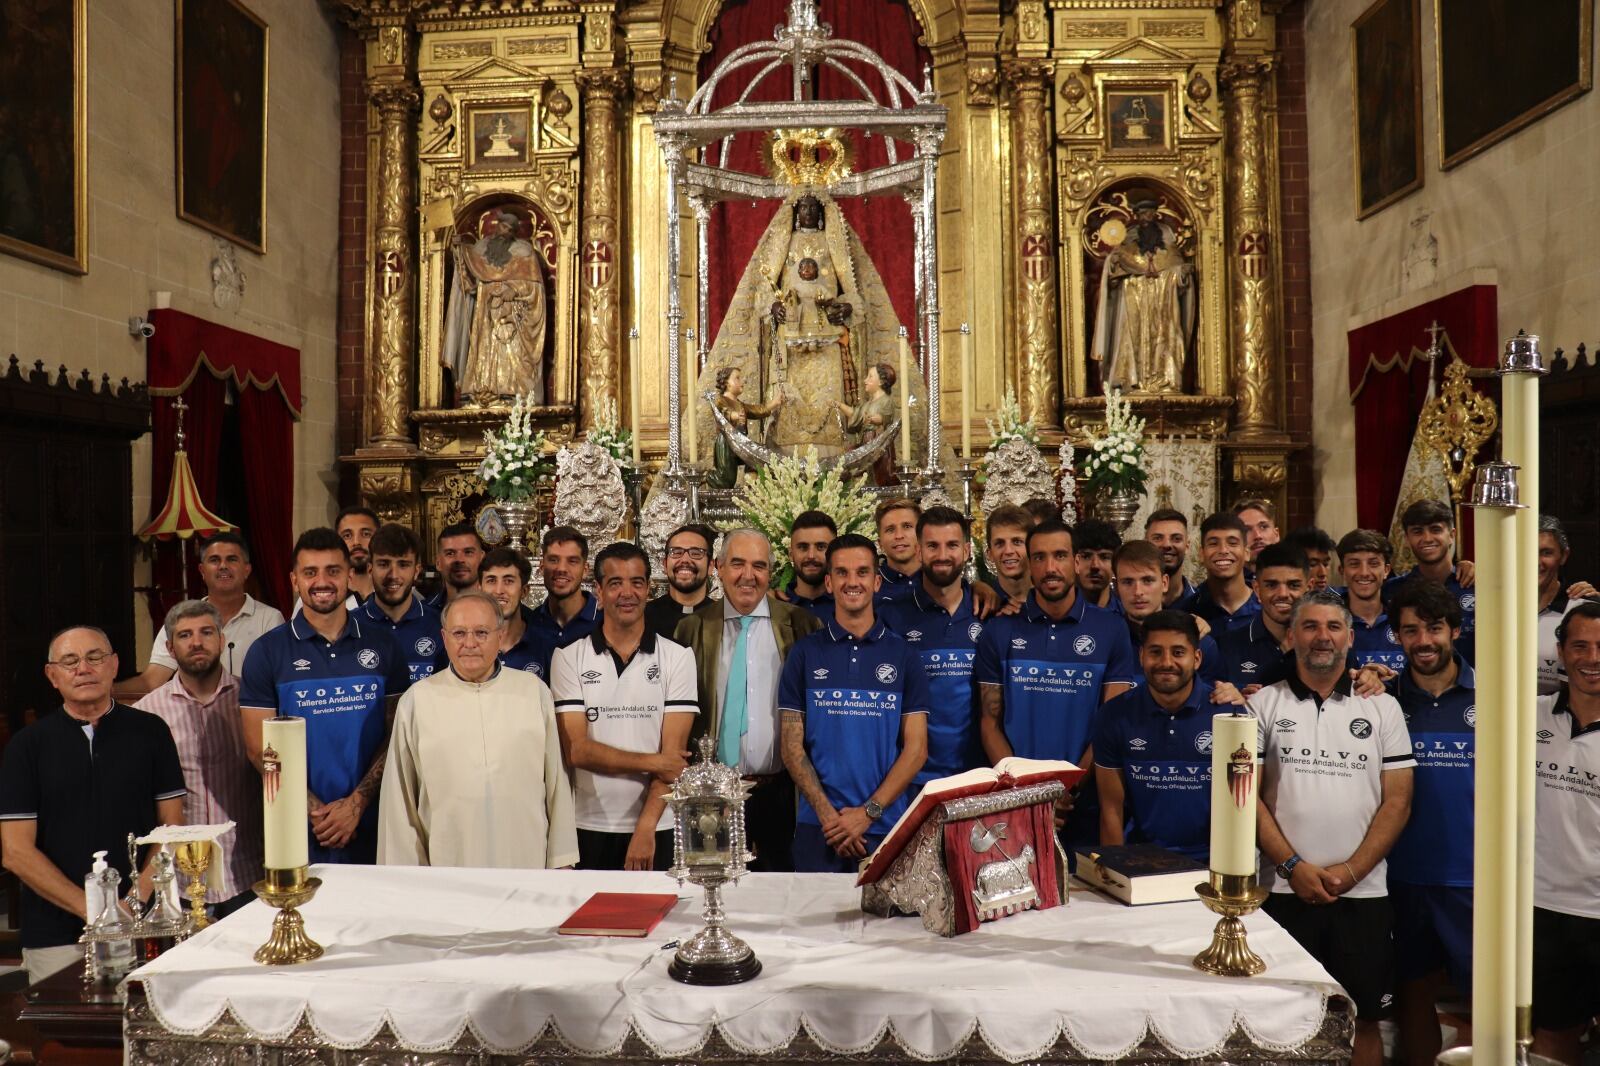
(730,387)
(494,329)
(869,419)
(1145,309)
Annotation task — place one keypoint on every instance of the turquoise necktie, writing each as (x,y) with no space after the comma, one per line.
(735,701)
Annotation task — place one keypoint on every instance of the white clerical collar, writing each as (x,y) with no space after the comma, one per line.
(729,613)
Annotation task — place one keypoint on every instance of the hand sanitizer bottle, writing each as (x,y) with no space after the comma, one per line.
(108,934)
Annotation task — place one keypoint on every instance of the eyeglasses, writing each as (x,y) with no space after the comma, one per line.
(479,636)
(69,663)
(697,554)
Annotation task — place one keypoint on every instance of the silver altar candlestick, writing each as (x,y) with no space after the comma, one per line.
(708,849)
(967,473)
(633,478)
(909,477)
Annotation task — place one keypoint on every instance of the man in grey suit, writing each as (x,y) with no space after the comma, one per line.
(739,646)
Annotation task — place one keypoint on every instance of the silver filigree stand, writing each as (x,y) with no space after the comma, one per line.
(714,952)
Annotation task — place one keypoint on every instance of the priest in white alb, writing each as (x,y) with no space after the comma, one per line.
(474,775)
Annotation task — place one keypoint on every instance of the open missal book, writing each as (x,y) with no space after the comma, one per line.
(1012,772)
(1138,874)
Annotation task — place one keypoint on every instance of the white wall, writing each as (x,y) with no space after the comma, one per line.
(1525,208)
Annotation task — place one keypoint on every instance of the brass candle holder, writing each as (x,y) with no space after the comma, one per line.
(1232,896)
(287,890)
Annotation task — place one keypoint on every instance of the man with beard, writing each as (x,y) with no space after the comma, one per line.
(939,620)
(625,700)
(1430,868)
(688,559)
(395,604)
(225,568)
(896,522)
(344,678)
(1007,534)
(504,576)
(1044,672)
(1327,819)
(1224,599)
(1430,528)
(1257,653)
(1168,530)
(459,553)
(1554,601)
(809,538)
(1152,751)
(568,612)
(1260,521)
(1364,558)
(854,706)
(1141,590)
(1094,543)
(1318,549)
(740,645)
(201,707)
(355,526)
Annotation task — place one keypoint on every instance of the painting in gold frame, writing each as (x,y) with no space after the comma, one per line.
(1139,119)
(44,141)
(1503,64)
(1386,72)
(500,137)
(221,116)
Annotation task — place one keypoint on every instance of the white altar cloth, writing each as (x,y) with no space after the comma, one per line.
(435,953)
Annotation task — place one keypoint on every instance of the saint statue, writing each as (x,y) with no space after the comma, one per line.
(869,419)
(495,323)
(730,386)
(1146,309)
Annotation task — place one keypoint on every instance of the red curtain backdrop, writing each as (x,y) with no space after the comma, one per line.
(883,223)
(1389,382)
(193,358)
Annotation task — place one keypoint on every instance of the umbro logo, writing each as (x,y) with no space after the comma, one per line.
(1545,736)
(915,634)
(820,674)
(1248,666)
(1284,723)
(590,676)
(302,664)
(1137,744)
(1019,642)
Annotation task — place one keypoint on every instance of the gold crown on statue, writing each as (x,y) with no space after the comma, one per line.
(809,156)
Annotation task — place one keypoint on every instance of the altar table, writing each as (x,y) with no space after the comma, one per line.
(466,966)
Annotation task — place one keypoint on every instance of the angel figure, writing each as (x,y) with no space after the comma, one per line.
(868,419)
(730,386)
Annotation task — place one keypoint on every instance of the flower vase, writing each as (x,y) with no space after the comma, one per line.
(1118,508)
(519,518)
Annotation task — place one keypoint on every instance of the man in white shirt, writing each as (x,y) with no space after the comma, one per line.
(1335,794)
(474,775)
(1554,599)
(225,568)
(1566,877)
(625,700)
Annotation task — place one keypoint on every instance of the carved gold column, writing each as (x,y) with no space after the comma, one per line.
(600,289)
(1256,354)
(1038,355)
(393,267)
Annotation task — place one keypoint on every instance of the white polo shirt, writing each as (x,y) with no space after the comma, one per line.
(1551,675)
(238,633)
(1566,868)
(625,705)
(1323,769)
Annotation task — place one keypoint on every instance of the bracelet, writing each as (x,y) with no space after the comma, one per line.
(1354,880)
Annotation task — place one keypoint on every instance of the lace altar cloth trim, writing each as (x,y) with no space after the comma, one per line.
(425,960)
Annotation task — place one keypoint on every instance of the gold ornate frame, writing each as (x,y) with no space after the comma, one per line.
(1355,105)
(1165,91)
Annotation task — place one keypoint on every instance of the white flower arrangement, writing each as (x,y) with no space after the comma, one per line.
(1009,424)
(773,497)
(605,432)
(1116,457)
(514,460)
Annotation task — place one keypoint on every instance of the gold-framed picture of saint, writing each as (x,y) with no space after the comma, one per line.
(1386,68)
(222,120)
(499,137)
(1138,119)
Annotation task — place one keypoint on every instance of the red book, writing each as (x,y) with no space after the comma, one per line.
(619,914)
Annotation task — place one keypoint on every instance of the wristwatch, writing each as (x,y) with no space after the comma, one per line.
(874,809)
(1286,867)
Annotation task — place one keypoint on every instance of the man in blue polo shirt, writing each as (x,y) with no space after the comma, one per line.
(456,558)
(1430,865)
(1044,672)
(395,605)
(937,619)
(344,678)
(809,538)
(1364,557)
(1141,589)
(504,576)
(854,706)
(1224,598)
(568,612)
(1256,653)
(896,521)
(1430,527)
(1152,751)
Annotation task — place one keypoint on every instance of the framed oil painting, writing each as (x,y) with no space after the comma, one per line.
(500,137)
(1504,64)
(222,120)
(1386,61)
(44,213)
(1138,119)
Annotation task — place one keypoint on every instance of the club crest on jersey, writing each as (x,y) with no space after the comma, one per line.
(1471,714)
(425,646)
(1084,645)
(1468,601)
(974,631)
(1361,729)
(1202,743)
(367,657)
(654,673)
(302,664)
(887,673)
(1388,634)
(1137,744)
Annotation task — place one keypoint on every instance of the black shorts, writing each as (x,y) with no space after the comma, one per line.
(1352,938)
(1566,969)
(608,851)
(1433,931)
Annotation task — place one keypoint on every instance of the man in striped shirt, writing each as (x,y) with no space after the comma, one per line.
(200,705)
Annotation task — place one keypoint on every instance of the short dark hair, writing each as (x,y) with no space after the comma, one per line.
(1310,539)
(227,536)
(618,551)
(1426,513)
(567,535)
(846,541)
(319,539)
(1431,602)
(1047,527)
(500,558)
(699,529)
(1169,621)
(1255,503)
(897,503)
(460,529)
(1011,517)
(1041,509)
(1223,520)
(1095,535)
(1366,540)
(1281,555)
(1136,553)
(943,516)
(394,540)
(1582,609)
(1549,523)
(355,512)
(813,520)
(1166,514)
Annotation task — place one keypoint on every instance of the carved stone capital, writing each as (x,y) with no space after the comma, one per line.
(390,489)
(393,97)
(1245,72)
(1029,75)
(603,82)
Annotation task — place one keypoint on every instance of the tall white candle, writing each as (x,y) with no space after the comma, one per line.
(905,398)
(635,372)
(283,792)
(966,391)
(1519,394)
(1235,784)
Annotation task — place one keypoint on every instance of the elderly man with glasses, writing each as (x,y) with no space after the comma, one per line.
(75,782)
(474,774)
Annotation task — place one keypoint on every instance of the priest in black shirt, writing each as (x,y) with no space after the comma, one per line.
(688,570)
